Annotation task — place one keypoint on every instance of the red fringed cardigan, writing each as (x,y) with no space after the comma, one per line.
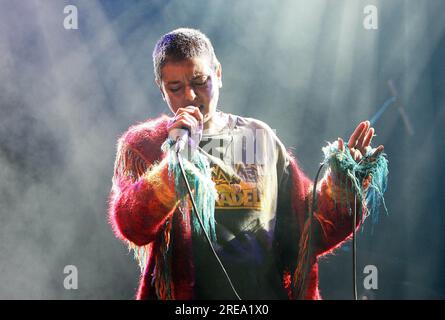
(142,198)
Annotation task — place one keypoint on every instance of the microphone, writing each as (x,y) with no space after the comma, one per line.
(183,137)
(181,140)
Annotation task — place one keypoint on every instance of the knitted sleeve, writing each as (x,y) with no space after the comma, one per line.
(345,185)
(142,196)
(332,221)
(333,214)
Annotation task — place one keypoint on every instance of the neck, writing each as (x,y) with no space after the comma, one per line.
(215,124)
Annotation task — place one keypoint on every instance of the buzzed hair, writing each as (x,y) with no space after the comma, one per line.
(180,44)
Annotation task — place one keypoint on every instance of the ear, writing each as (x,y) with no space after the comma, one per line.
(219,75)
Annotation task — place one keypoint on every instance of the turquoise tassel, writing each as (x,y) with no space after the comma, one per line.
(342,163)
(198,175)
(204,189)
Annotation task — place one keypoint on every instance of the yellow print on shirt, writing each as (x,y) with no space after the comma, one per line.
(237,191)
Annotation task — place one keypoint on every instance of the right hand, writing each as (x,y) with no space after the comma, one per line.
(188,118)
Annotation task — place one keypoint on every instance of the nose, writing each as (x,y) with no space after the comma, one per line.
(190,94)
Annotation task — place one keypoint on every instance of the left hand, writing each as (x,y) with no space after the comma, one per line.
(360,141)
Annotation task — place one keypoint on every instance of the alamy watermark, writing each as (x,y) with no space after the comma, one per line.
(371,279)
(371,19)
(71,20)
(70,282)
(255,146)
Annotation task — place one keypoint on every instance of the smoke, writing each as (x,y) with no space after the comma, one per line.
(58,144)
(310,70)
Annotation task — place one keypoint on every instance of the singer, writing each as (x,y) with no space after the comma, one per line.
(254,200)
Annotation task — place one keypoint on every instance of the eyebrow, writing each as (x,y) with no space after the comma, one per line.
(173,82)
(199,75)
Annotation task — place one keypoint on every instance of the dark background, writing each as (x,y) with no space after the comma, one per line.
(308,68)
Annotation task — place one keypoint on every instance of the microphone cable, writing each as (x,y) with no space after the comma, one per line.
(354,239)
(354,222)
(354,249)
(310,217)
(354,243)
(179,157)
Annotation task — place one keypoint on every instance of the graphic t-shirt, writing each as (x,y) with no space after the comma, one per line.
(249,168)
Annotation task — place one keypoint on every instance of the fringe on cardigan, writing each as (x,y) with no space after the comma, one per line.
(367,179)
(198,174)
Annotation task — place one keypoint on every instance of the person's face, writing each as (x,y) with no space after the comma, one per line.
(191,82)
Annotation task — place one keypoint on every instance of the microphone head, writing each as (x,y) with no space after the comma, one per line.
(181,140)
(180,145)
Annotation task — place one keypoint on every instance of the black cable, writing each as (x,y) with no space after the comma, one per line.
(179,157)
(314,192)
(354,241)
(311,214)
(354,244)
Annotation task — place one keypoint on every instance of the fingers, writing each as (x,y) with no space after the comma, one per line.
(362,137)
(356,154)
(184,120)
(341,145)
(356,134)
(377,151)
(368,138)
(192,110)
(189,117)
(360,141)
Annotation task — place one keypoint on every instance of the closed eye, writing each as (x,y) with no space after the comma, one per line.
(201,81)
(174,89)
